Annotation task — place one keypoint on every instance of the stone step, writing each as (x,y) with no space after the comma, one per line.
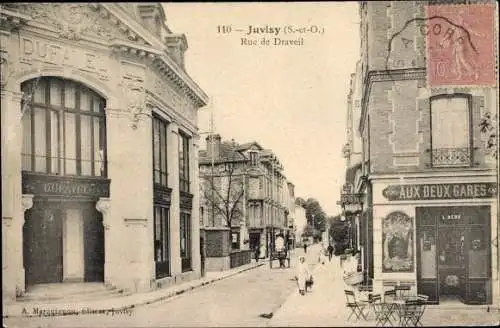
(70,292)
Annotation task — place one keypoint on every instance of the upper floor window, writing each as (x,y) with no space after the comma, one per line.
(64,129)
(450,131)
(183,162)
(159,151)
(253,158)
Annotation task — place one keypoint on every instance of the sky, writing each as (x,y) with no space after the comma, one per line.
(290,99)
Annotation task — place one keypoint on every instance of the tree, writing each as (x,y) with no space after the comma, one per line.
(313,207)
(338,231)
(300,202)
(224,193)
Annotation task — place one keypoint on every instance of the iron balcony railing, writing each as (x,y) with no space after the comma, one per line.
(451,157)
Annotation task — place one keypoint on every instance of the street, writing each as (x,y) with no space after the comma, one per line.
(235,301)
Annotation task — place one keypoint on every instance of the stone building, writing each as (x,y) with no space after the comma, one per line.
(99,148)
(428,170)
(249,179)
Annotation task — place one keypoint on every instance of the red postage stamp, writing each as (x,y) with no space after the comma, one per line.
(460,41)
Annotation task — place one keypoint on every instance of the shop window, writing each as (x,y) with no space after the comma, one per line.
(427,244)
(478,254)
(450,126)
(235,240)
(185,241)
(184,181)
(64,129)
(159,151)
(161,243)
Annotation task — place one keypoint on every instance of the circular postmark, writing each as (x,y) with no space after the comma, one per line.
(454,44)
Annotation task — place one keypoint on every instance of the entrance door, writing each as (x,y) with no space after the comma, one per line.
(42,245)
(93,244)
(451,259)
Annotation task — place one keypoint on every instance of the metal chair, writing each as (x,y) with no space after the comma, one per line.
(356,307)
(411,313)
(390,295)
(382,313)
(403,291)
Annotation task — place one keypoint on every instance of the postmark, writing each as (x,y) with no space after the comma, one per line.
(460,45)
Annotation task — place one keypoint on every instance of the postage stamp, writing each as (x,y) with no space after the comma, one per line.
(460,45)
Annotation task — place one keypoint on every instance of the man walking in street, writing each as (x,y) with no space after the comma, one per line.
(305,248)
(330,252)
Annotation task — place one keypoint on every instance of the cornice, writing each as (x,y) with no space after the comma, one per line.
(384,76)
(10,19)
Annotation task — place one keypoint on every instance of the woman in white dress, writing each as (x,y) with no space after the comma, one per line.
(303,274)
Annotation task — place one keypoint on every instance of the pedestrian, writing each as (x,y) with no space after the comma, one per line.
(330,252)
(303,275)
(305,248)
(257,253)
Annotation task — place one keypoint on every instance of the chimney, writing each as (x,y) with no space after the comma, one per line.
(213,145)
(176,47)
(151,16)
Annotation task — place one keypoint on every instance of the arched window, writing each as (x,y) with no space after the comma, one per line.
(64,129)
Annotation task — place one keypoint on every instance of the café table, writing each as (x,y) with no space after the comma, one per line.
(409,310)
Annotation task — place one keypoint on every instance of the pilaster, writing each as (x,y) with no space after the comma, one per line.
(103,205)
(195,212)
(173,182)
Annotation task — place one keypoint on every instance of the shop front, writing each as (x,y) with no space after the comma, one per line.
(438,238)
(63,234)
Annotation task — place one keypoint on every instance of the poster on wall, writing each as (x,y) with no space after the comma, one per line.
(397,241)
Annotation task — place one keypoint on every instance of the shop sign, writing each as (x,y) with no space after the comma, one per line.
(440,191)
(59,54)
(63,186)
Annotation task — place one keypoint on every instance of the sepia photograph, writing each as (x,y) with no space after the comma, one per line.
(250,164)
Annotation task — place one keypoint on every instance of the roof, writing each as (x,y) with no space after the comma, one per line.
(229,152)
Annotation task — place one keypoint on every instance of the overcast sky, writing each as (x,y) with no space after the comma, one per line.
(289,99)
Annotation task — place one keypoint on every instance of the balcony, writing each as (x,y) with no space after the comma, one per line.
(451,157)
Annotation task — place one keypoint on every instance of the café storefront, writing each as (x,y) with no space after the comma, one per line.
(438,238)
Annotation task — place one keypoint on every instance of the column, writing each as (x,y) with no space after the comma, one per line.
(12,201)
(195,212)
(103,205)
(173,182)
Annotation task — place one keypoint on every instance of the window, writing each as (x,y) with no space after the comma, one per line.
(183,163)
(450,136)
(253,158)
(161,241)
(185,240)
(235,240)
(64,129)
(159,151)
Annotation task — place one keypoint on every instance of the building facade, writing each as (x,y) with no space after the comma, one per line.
(427,171)
(249,179)
(99,148)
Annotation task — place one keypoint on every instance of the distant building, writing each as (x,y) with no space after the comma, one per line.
(99,145)
(428,176)
(245,183)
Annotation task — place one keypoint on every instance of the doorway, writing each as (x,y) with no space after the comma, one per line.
(454,253)
(63,241)
(42,245)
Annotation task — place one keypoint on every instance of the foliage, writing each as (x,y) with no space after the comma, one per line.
(488,131)
(313,207)
(339,231)
(307,231)
(300,202)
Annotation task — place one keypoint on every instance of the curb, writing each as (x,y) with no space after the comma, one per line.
(104,310)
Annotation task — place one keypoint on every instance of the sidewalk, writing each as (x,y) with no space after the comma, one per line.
(121,302)
(325,306)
